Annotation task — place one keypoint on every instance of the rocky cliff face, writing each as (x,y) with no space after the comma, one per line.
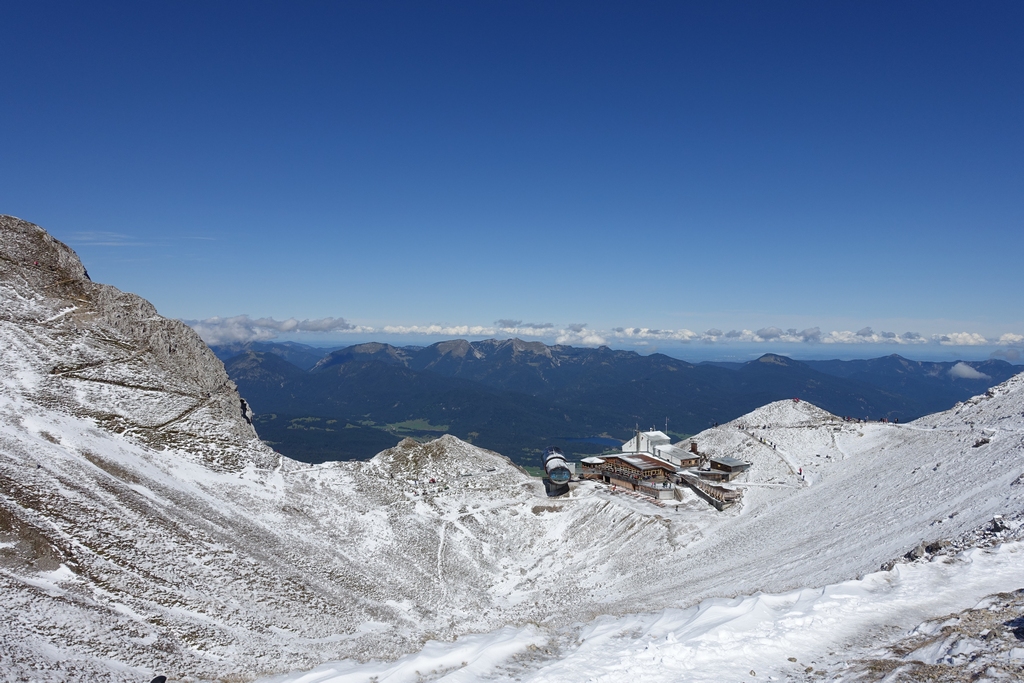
(98,352)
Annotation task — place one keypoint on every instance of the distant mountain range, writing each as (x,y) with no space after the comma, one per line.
(302,356)
(517,397)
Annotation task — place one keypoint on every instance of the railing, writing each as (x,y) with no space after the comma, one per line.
(636,481)
(716,493)
(655,489)
(655,485)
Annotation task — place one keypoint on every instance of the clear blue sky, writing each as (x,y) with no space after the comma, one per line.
(657,171)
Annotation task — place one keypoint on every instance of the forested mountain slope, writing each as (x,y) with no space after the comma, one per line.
(519,397)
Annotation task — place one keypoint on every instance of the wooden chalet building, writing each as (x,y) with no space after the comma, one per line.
(632,467)
(633,471)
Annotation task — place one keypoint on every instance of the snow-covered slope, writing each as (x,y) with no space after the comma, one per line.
(145,529)
(142,523)
(911,624)
(874,491)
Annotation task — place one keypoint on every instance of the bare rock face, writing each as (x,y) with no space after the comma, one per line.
(108,355)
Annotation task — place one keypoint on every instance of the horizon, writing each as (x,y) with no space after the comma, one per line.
(654,176)
(697,353)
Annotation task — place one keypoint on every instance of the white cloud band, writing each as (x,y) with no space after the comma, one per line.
(242,328)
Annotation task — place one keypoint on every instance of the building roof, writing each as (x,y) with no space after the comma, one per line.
(592,461)
(643,462)
(676,451)
(730,462)
(656,437)
(653,438)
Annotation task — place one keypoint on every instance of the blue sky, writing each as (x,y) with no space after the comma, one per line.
(837,179)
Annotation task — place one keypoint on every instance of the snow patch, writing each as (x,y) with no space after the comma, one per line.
(468,659)
(51,581)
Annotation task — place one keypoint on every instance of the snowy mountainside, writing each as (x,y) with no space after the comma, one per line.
(995,411)
(883,488)
(145,529)
(91,350)
(115,552)
(793,413)
(876,491)
(143,526)
(779,440)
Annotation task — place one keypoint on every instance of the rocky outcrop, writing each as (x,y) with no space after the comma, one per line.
(444,458)
(109,355)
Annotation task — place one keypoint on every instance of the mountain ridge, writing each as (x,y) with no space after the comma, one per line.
(596,391)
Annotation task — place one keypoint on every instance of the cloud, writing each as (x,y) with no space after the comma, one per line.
(321,325)
(242,328)
(218,330)
(441,330)
(644,333)
(964,371)
(98,238)
(1011,355)
(526,329)
(1015,350)
(811,334)
(814,335)
(960,339)
(868,336)
(582,338)
(577,333)
(769,333)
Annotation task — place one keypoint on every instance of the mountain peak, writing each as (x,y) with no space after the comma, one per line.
(100,353)
(457,348)
(37,252)
(775,359)
(446,457)
(370,351)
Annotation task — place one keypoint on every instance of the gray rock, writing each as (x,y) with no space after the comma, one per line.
(110,356)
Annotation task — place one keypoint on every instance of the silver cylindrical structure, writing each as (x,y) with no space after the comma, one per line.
(555,466)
